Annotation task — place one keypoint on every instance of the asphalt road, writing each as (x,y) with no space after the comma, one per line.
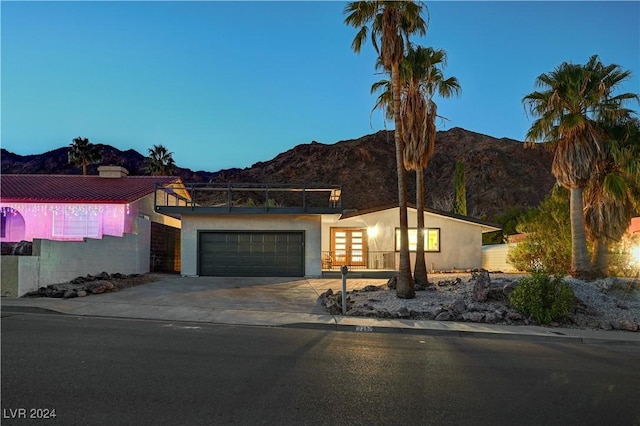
(98,371)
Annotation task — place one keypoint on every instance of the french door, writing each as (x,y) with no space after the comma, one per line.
(349,246)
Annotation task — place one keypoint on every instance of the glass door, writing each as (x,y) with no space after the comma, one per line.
(349,246)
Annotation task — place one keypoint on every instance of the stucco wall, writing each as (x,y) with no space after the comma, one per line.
(191,224)
(9,275)
(460,241)
(494,257)
(61,261)
(20,275)
(146,206)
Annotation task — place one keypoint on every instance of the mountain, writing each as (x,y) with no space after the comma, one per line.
(500,173)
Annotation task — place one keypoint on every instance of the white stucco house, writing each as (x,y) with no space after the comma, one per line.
(224,235)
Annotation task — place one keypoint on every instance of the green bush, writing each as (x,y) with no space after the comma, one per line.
(547,245)
(544,298)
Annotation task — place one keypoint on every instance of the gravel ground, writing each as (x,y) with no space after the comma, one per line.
(601,304)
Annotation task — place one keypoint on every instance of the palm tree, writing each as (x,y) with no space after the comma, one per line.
(389,25)
(613,194)
(573,103)
(82,153)
(421,78)
(422,72)
(160,161)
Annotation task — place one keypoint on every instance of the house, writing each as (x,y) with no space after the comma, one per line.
(83,225)
(370,239)
(305,232)
(494,257)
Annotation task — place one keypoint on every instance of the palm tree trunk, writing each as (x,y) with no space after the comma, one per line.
(404,286)
(84,167)
(580,264)
(601,258)
(420,271)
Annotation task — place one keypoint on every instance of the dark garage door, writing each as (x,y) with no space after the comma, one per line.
(251,254)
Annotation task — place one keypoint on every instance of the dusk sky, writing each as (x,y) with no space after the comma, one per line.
(228,84)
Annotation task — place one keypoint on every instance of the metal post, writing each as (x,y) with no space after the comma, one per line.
(344,271)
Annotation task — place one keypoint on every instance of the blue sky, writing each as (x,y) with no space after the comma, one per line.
(228,84)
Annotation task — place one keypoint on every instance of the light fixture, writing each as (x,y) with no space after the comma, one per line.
(372,231)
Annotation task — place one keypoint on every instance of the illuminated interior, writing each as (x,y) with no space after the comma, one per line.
(431,239)
(64,222)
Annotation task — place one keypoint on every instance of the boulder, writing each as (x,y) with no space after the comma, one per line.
(625,325)
(98,287)
(443,316)
(458,306)
(403,312)
(69,294)
(473,316)
(23,248)
(481,285)
(392,283)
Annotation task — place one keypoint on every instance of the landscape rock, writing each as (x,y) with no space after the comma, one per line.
(23,248)
(481,285)
(443,316)
(70,294)
(89,284)
(98,287)
(473,316)
(626,325)
(454,299)
(606,284)
(458,306)
(392,283)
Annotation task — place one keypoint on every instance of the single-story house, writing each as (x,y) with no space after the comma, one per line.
(233,237)
(81,225)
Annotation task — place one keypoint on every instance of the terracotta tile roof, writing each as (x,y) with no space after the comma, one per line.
(78,189)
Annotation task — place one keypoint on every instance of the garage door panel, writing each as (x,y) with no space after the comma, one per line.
(260,253)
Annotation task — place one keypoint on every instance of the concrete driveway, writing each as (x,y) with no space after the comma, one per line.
(246,301)
(275,302)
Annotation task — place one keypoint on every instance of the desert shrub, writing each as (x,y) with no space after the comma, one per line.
(542,297)
(547,245)
(622,262)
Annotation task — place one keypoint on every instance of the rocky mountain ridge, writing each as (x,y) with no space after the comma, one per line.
(500,173)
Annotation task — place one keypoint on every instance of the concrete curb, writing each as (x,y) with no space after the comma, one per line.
(356,325)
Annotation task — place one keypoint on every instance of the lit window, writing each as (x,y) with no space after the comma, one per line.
(431,239)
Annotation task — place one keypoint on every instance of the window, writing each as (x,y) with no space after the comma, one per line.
(431,239)
(76,223)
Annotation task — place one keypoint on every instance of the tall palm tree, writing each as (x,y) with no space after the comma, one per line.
(421,78)
(160,161)
(82,153)
(613,194)
(389,25)
(575,99)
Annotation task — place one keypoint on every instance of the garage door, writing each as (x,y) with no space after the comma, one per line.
(251,254)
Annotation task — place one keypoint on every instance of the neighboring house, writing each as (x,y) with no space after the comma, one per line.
(494,257)
(233,238)
(83,225)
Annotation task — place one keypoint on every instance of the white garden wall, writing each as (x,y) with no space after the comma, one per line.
(55,262)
